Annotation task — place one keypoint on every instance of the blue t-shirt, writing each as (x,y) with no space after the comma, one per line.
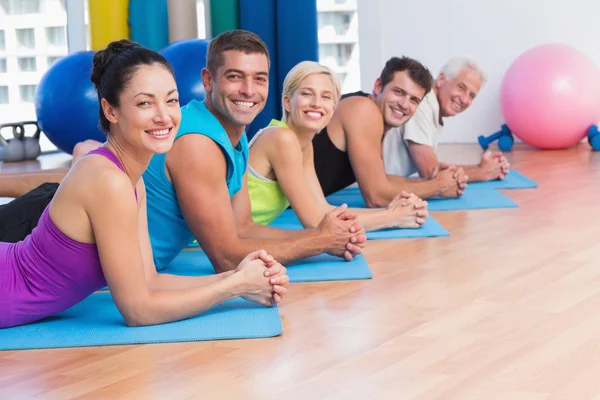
(169,232)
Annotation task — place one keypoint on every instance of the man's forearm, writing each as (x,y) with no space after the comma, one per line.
(164,281)
(259,231)
(474,172)
(381,197)
(306,243)
(421,187)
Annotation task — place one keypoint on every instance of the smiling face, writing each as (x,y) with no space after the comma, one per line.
(311,106)
(399,99)
(148,114)
(457,94)
(238,89)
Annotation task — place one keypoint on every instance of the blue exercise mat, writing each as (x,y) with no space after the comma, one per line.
(317,268)
(470,200)
(431,228)
(97,322)
(473,200)
(325,267)
(513,180)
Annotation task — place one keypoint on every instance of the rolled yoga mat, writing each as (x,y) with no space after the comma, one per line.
(183,20)
(96,321)
(259,16)
(149,23)
(108,22)
(224,16)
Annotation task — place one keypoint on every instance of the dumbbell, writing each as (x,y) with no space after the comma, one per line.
(594,137)
(504,137)
(32,143)
(12,150)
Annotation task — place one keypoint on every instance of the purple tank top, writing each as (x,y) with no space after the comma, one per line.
(47,272)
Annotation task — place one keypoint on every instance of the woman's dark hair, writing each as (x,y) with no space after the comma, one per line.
(114,67)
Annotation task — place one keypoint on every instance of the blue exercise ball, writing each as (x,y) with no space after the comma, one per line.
(66,102)
(188,57)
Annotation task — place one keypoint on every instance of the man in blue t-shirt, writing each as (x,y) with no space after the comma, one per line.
(199,188)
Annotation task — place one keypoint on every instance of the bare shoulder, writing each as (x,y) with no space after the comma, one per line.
(281,138)
(193,142)
(275,141)
(101,179)
(356,107)
(192,153)
(358,112)
(94,188)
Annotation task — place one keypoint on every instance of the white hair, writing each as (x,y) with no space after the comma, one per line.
(456,64)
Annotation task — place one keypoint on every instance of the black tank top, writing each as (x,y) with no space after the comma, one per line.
(332,164)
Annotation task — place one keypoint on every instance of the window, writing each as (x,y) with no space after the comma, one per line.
(338,53)
(4,6)
(27,93)
(338,40)
(56,36)
(2,40)
(26,38)
(26,64)
(52,59)
(3,68)
(3,94)
(26,7)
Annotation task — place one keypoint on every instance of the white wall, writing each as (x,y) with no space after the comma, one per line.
(494,31)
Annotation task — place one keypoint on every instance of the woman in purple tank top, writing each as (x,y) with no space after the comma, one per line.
(94,232)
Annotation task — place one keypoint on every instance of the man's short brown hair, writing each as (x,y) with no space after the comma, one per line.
(416,71)
(237,39)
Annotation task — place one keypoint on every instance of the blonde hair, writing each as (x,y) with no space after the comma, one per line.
(297,74)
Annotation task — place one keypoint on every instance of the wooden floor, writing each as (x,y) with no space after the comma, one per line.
(507,307)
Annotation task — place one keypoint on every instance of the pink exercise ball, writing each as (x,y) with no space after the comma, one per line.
(550,96)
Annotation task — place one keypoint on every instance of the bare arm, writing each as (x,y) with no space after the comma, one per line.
(427,162)
(200,183)
(404,211)
(248,229)
(163,281)
(299,182)
(492,165)
(363,129)
(424,158)
(117,237)
(275,271)
(285,156)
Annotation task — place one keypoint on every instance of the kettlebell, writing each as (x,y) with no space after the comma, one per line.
(32,143)
(12,150)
